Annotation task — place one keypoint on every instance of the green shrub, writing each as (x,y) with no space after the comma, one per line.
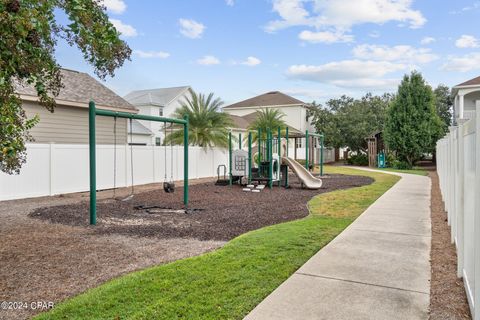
(360,159)
(401,165)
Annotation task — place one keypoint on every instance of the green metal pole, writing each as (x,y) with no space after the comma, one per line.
(306,149)
(259,142)
(270,156)
(321,155)
(93,171)
(185,161)
(230,157)
(279,151)
(249,157)
(286,155)
(240,141)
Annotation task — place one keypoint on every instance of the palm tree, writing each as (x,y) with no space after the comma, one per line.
(267,119)
(208,127)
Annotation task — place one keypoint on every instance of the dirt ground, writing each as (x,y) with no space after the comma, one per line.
(49,262)
(447,293)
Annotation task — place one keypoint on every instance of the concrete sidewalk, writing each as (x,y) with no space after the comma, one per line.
(377,268)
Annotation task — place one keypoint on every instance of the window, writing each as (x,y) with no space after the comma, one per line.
(299,142)
(160,111)
(158,141)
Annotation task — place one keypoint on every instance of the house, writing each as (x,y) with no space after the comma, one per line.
(466,95)
(139,135)
(68,123)
(295,111)
(158,102)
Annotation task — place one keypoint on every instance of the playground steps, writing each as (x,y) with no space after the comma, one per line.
(253,188)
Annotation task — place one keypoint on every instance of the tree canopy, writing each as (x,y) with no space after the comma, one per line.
(29,33)
(267,119)
(413,125)
(443,105)
(208,127)
(346,121)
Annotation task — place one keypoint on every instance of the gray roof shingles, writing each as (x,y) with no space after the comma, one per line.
(273,98)
(81,87)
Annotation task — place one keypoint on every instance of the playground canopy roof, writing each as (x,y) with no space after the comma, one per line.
(79,88)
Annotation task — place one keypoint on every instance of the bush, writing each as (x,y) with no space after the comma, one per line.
(358,160)
(401,165)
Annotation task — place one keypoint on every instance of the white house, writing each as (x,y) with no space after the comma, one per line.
(295,111)
(465,96)
(156,102)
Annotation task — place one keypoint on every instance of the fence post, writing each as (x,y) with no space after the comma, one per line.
(476,298)
(460,198)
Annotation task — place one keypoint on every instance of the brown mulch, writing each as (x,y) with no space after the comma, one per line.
(219,212)
(447,293)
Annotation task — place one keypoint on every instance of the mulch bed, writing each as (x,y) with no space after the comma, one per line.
(447,293)
(223,212)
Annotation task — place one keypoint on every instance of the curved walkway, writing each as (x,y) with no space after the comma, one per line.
(377,268)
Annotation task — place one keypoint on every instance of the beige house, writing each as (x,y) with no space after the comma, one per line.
(295,112)
(69,122)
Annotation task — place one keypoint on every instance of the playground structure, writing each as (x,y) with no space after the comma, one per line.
(168,186)
(270,162)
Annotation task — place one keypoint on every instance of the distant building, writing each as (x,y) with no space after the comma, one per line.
(466,95)
(156,102)
(295,112)
(69,121)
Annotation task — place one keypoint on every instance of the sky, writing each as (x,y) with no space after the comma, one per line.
(310,49)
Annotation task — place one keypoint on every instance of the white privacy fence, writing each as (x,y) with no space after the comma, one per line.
(63,168)
(458,166)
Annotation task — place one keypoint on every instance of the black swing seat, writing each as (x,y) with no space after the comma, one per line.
(169,187)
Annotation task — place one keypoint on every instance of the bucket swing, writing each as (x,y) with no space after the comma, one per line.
(169,186)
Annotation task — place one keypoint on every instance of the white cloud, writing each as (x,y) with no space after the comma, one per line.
(428,40)
(349,73)
(464,63)
(191,28)
(343,15)
(208,60)
(401,53)
(115,6)
(251,61)
(474,6)
(125,29)
(152,54)
(467,41)
(230,3)
(324,36)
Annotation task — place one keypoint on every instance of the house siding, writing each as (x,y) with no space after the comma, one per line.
(70,125)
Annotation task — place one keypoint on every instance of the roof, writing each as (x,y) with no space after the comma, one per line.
(239,122)
(138,128)
(78,89)
(471,82)
(158,97)
(273,98)
(245,121)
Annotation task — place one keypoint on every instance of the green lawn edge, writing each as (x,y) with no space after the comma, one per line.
(417,171)
(229,282)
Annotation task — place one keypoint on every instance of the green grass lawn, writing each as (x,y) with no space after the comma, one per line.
(415,170)
(231,281)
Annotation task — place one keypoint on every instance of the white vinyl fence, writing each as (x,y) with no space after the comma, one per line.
(63,168)
(458,166)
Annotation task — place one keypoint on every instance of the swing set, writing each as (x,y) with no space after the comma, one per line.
(168,186)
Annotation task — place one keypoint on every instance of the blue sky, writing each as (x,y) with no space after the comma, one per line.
(311,49)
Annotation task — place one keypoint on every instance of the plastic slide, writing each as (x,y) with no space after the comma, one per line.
(308,180)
